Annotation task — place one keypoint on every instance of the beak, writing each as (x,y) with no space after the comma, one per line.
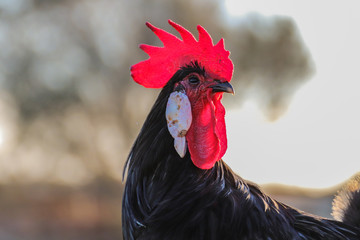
(223,87)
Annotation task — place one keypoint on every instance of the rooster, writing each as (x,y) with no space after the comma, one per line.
(178,186)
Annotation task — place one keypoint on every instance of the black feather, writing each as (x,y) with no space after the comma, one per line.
(167,197)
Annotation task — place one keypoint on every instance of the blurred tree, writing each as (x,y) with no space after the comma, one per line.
(271,61)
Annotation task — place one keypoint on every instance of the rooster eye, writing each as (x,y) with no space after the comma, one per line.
(194,80)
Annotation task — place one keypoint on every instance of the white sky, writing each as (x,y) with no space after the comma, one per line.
(317,142)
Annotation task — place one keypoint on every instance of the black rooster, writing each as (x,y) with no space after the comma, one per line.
(188,192)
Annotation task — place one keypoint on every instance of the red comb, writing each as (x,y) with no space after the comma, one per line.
(163,63)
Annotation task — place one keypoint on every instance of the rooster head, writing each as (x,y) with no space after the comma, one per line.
(194,112)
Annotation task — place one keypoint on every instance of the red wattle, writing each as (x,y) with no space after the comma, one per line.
(220,126)
(207,142)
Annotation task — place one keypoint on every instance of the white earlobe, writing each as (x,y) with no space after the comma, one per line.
(180,146)
(178,117)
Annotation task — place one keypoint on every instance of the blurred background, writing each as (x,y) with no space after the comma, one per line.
(69,110)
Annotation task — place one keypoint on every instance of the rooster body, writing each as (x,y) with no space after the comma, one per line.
(169,196)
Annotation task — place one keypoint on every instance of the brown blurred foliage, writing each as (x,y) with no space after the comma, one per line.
(69,110)
(271,62)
